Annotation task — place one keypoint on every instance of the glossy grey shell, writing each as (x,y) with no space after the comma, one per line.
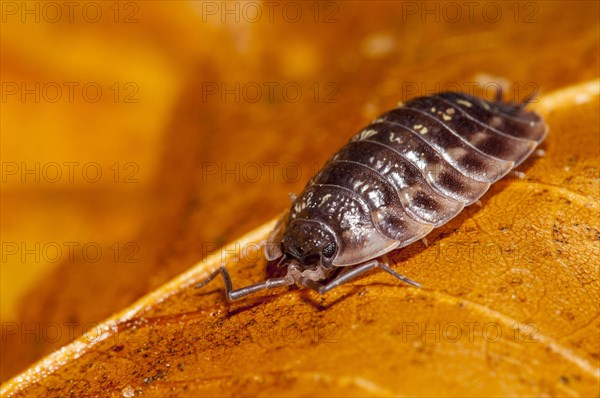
(412,169)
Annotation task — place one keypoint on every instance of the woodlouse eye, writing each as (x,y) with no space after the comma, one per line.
(329,250)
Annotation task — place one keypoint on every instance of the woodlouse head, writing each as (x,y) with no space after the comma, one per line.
(310,243)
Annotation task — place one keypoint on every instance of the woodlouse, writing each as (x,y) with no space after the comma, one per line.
(412,169)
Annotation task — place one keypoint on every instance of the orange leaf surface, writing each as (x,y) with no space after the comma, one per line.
(510,306)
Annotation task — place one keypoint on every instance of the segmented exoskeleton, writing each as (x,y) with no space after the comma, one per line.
(412,169)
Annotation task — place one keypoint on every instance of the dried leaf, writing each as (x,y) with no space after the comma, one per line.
(485,262)
(509,306)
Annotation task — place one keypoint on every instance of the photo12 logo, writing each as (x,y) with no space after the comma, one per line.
(270,91)
(69,172)
(71,92)
(69,11)
(487,89)
(269,11)
(254,172)
(470,11)
(453,332)
(55,252)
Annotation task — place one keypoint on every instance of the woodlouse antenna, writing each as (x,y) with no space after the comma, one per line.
(528,99)
(499,94)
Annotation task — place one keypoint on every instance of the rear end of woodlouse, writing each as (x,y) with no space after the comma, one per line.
(412,169)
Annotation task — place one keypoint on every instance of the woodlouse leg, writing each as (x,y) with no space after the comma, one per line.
(343,278)
(353,273)
(234,294)
(404,279)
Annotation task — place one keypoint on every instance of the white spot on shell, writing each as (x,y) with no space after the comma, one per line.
(324,199)
(450,111)
(376,198)
(415,159)
(420,128)
(446,117)
(366,134)
(301,205)
(478,137)
(350,221)
(456,153)
(393,138)
(465,103)
(496,121)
